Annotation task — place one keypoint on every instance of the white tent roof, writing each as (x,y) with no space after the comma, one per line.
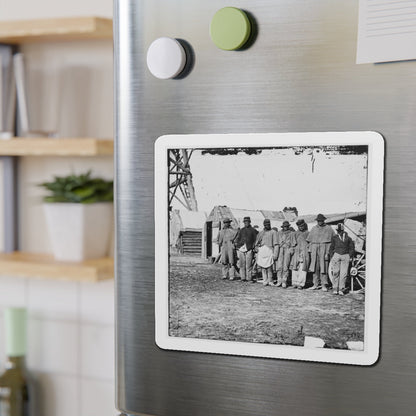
(256,217)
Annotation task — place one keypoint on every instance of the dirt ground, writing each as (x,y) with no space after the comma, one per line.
(202,305)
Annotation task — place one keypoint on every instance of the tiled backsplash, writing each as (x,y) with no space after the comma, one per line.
(70,343)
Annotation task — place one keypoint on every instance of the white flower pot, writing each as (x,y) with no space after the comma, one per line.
(79,231)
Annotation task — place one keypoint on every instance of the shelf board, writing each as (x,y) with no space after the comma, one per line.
(44,266)
(19,146)
(39,30)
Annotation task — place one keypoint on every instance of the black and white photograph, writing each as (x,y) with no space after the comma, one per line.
(270,245)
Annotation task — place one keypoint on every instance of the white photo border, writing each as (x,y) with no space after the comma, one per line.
(375,184)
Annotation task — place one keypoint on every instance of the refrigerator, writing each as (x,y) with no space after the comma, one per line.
(294,71)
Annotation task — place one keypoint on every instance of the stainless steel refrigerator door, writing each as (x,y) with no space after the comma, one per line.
(300,75)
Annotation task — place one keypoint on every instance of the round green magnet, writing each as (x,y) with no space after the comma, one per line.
(230,28)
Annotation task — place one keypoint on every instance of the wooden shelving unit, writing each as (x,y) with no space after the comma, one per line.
(40,30)
(44,266)
(41,265)
(56,147)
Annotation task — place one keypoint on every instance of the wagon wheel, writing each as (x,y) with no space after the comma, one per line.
(357,273)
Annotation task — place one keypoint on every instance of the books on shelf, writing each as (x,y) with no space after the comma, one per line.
(7,92)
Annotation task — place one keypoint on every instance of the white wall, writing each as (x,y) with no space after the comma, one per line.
(39,9)
(71,335)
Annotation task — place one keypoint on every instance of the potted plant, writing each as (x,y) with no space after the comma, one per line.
(79,216)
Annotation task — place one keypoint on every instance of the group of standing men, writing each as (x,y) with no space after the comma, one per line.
(285,251)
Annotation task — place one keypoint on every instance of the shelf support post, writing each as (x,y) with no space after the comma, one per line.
(10,203)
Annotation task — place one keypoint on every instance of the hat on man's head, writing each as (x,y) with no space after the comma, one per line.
(320,217)
(226,219)
(266,221)
(285,224)
(246,219)
(300,222)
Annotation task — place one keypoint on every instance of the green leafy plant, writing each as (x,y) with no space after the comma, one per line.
(82,189)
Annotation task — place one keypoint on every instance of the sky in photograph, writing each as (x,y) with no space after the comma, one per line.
(277,178)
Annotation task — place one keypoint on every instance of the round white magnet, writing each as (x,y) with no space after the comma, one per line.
(166,58)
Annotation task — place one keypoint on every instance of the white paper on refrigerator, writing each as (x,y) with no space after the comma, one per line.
(386,31)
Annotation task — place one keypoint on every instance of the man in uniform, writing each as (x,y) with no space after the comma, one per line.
(286,243)
(267,252)
(341,253)
(225,242)
(300,259)
(319,240)
(244,243)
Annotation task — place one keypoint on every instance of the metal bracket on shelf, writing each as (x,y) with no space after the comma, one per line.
(10,203)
